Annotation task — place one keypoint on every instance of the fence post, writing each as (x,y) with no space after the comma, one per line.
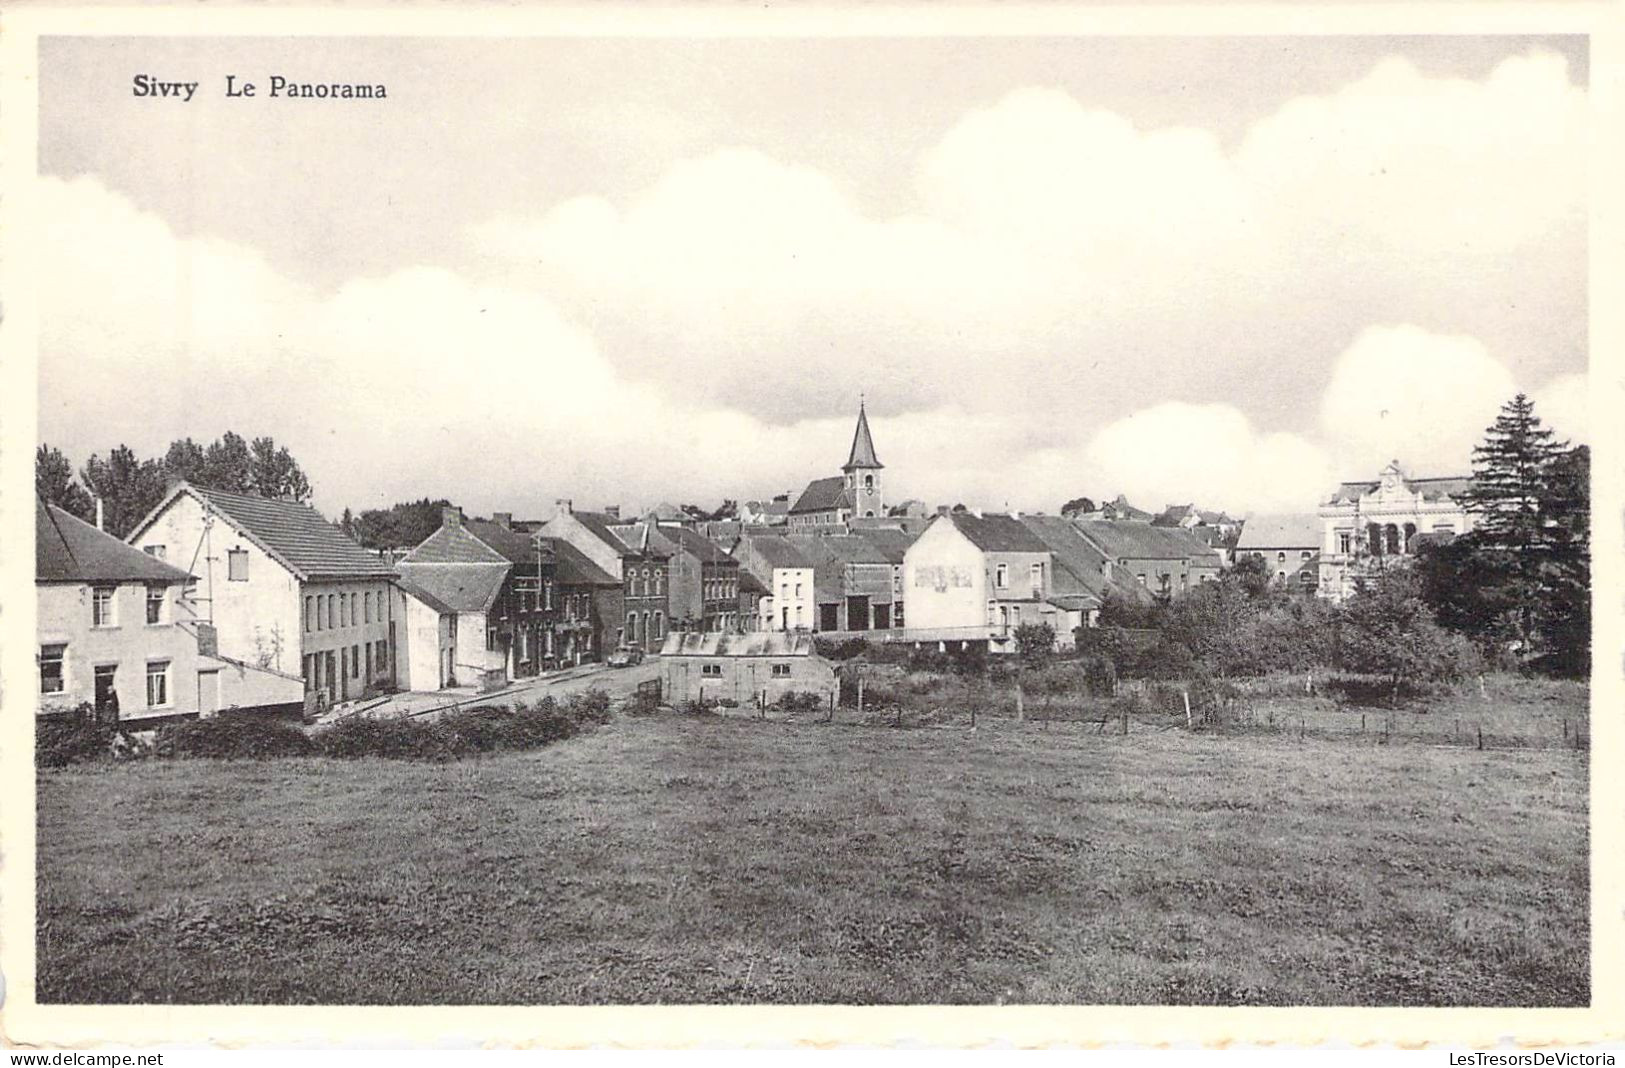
(860,693)
(1481,736)
(1186,695)
(1021,707)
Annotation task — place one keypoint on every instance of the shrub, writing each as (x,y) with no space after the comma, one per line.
(60,740)
(697,707)
(233,737)
(845,649)
(1035,642)
(589,706)
(805,703)
(391,739)
(971,660)
(1099,676)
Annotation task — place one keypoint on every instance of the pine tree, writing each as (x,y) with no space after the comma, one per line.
(54,484)
(1515,538)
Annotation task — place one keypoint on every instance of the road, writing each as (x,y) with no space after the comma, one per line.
(617,682)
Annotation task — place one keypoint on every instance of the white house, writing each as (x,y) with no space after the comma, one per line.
(972,579)
(116,629)
(1362,520)
(790,602)
(281,586)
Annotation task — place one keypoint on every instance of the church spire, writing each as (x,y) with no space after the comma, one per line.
(863,446)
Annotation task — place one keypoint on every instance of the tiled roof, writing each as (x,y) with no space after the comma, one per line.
(839,548)
(295,534)
(998,533)
(514,545)
(1080,602)
(823,495)
(67,549)
(1128,539)
(453,545)
(574,569)
(748,583)
(756,643)
(644,538)
(694,542)
(888,541)
(459,587)
(777,552)
(1079,566)
(863,446)
(1431,489)
(1286,531)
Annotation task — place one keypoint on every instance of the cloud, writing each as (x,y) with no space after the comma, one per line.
(1072,264)
(1400,392)
(1209,454)
(1068,304)
(1564,404)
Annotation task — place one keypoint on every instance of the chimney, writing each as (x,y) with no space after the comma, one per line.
(451,516)
(99,525)
(503,519)
(565,505)
(942,509)
(612,510)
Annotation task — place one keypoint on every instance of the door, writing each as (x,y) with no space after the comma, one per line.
(330,672)
(857,613)
(208,692)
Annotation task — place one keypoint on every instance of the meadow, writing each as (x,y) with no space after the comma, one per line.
(685,859)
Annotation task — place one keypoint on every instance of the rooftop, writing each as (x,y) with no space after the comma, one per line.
(68,549)
(1284,531)
(758,643)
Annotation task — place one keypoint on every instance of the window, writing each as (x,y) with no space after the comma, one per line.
(159,551)
(1305,554)
(1280,576)
(366,606)
(157,683)
(344,610)
(798,589)
(331,610)
(102,605)
(106,679)
(381,657)
(51,676)
(1002,577)
(1140,577)
(1280,558)
(1345,539)
(632,628)
(310,613)
(355,661)
(1037,570)
(1306,578)
(660,624)
(155,603)
(711,670)
(547,593)
(781,671)
(237,565)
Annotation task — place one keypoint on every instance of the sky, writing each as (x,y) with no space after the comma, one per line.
(1232,271)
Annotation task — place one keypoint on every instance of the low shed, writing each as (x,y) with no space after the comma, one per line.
(761,666)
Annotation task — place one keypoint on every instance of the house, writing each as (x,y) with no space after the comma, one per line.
(747,669)
(704,582)
(281,587)
(1289,544)
(1166,561)
(1115,510)
(856,491)
(591,606)
(789,602)
(459,588)
(973,579)
(891,541)
(1083,576)
(852,581)
(1365,521)
(773,513)
(635,555)
(116,628)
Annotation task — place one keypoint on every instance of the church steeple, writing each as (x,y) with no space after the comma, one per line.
(863,446)
(862,470)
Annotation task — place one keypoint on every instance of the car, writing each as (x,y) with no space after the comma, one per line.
(625,657)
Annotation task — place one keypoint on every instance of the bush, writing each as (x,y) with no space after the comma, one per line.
(390,739)
(233,737)
(1035,642)
(806,703)
(971,660)
(60,740)
(1099,676)
(845,649)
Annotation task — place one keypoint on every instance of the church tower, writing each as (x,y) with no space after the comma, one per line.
(862,470)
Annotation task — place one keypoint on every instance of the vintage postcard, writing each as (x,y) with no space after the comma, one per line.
(700,525)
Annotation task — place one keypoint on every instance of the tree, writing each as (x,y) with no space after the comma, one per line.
(273,472)
(1564,615)
(54,484)
(129,487)
(1512,469)
(401,525)
(1077,506)
(1388,631)
(1252,573)
(1034,642)
(261,468)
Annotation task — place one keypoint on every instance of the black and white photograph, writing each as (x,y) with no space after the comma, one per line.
(867,519)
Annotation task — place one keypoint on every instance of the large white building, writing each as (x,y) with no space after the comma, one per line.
(1366,520)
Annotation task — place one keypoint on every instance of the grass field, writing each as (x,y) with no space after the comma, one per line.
(672,859)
